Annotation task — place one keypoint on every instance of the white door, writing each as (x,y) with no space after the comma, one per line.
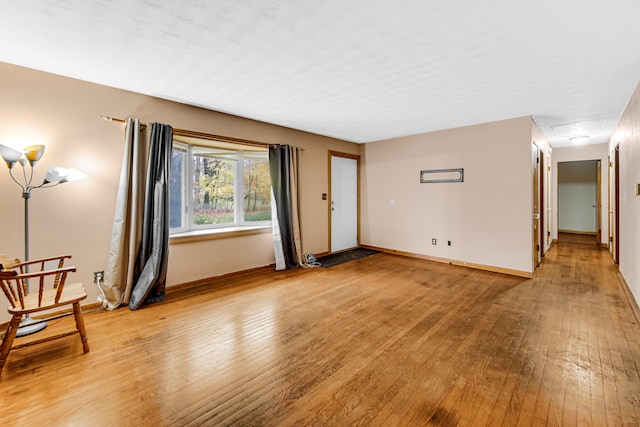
(344,203)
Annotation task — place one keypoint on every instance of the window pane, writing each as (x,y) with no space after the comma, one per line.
(257,188)
(213,186)
(176,186)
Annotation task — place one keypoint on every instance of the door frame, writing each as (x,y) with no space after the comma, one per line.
(548,214)
(616,206)
(613,204)
(535,154)
(610,204)
(599,202)
(355,157)
(541,205)
(597,182)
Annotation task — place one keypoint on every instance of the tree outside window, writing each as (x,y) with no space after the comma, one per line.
(215,180)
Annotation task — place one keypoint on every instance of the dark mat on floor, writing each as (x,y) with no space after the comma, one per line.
(341,257)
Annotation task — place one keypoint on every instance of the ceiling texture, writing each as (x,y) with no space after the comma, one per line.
(358,70)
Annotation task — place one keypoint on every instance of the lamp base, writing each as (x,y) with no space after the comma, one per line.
(29,326)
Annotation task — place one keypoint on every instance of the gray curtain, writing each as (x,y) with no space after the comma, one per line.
(151,264)
(137,262)
(287,240)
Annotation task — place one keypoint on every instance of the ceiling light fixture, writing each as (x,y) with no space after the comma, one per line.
(579,139)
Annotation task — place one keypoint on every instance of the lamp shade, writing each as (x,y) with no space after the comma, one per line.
(55,175)
(58,175)
(9,155)
(33,153)
(74,175)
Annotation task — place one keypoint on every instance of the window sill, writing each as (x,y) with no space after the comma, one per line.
(218,233)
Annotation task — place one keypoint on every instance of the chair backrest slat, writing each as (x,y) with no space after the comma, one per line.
(8,289)
(21,288)
(56,281)
(40,290)
(60,279)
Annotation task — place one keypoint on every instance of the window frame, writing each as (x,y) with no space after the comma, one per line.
(188,186)
(184,172)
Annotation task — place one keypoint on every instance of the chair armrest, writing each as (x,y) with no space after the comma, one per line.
(42,261)
(44,273)
(19,290)
(8,273)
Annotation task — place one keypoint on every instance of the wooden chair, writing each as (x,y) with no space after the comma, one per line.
(48,290)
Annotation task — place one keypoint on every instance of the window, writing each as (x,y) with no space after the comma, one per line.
(207,184)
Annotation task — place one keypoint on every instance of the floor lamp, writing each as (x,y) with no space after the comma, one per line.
(28,158)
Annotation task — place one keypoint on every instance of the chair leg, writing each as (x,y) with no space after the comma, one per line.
(77,313)
(7,342)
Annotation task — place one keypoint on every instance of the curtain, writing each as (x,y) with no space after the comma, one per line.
(287,241)
(137,261)
(153,255)
(127,222)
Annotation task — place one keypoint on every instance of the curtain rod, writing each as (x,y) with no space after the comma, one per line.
(201,135)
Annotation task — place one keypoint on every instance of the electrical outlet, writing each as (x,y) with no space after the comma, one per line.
(98,276)
(434,241)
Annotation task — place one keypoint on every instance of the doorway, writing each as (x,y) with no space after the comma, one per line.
(578,198)
(344,205)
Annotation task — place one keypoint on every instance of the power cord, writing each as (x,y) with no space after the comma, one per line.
(310,261)
(98,277)
(311,264)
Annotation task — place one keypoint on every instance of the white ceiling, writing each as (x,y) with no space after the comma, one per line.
(359,70)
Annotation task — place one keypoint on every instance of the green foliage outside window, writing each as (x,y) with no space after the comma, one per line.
(217,179)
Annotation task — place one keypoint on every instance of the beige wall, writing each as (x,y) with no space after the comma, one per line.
(578,153)
(76,218)
(627,136)
(487,217)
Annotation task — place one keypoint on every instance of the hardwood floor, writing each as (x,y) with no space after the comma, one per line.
(585,239)
(381,341)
